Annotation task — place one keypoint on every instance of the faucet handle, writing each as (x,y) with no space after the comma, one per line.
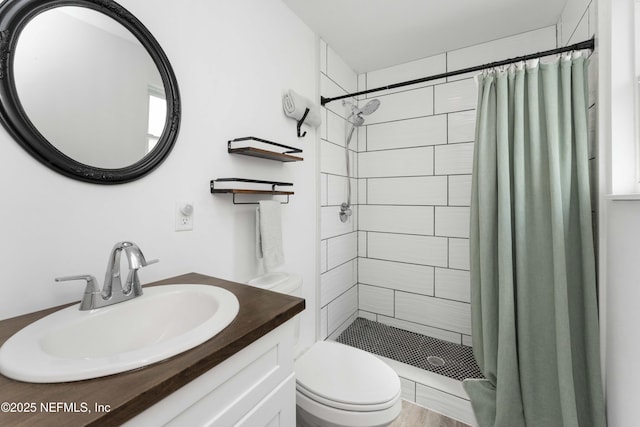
(92,283)
(90,291)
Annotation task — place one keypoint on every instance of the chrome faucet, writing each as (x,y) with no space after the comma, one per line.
(113,291)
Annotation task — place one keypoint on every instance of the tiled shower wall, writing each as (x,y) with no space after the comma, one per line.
(415,163)
(403,259)
(338,263)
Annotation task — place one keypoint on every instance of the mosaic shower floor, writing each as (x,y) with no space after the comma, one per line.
(442,357)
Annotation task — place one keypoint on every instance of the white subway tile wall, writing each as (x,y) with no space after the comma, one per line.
(407,244)
(330,224)
(400,73)
(337,281)
(454,159)
(375,299)
(335,128)
(339,244)
(461,126)
(337,189)
(418,279)
(392,163)
(341,308)
(323,322)
(574,16)
(440,313)
(408,248)
(497,50)
(467,340)
(403,105)
(452,221)
(418,132)
(444,403)
(460,190)
(452,284)
(342,249)
(423,190)
(396,219)
(459,254)
(419,328)
(332,158)
(340,72)
(415,162)
(581,32)
(329,88)
(323,256)
(455,96)
(408,389)
(362,244)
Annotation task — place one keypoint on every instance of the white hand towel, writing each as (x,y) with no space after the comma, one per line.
(269,234)
(294,106)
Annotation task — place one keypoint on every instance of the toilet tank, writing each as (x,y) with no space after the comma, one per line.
(285,283)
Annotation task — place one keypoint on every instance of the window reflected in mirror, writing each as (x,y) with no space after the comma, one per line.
(157,115)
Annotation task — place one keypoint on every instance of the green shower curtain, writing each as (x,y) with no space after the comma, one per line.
(533,284)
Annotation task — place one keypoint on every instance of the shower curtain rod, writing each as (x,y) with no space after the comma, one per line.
(587,44)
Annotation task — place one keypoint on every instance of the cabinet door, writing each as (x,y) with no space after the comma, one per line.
(232,390)
(278,409)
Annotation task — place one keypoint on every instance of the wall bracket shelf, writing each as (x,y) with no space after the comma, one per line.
(247,191)
(282,156)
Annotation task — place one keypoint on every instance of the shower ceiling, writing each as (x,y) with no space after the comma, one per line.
(374,34)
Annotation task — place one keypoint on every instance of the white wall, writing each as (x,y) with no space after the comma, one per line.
(621,312)
(233,61)
(620,230)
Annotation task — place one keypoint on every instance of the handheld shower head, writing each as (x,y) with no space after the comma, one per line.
(370,107)
(356,121)
(355,118)
(353,121)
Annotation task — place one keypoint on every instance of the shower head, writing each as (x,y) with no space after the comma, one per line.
(370,107)
(357,121)
(355,118)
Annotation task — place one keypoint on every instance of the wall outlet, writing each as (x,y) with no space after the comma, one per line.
(184,216)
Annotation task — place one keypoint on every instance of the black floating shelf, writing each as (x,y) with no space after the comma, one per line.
(234,191)
(282,156)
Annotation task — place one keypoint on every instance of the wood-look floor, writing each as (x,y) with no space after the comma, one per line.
(413,415)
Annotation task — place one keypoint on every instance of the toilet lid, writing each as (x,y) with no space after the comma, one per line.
(343,376)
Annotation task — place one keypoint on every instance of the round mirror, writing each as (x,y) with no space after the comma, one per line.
(86,89)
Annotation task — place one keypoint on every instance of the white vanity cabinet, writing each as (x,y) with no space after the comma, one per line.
(253,388)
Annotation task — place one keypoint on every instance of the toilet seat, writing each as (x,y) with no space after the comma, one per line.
(340,377)
(344,405)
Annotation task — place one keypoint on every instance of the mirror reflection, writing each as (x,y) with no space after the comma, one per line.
(89,87)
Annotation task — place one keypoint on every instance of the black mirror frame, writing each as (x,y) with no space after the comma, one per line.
(14,15)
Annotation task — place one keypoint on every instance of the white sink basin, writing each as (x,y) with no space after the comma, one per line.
(71,345)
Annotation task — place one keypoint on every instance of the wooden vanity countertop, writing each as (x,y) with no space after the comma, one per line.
(124,395)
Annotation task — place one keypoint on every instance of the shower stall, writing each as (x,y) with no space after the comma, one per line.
(395,230)
(413,348)
(395,218)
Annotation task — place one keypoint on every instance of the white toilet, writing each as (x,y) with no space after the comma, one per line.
(338,385)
